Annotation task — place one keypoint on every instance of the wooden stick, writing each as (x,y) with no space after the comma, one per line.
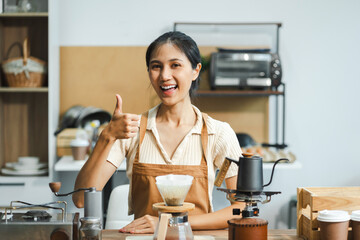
(163,224)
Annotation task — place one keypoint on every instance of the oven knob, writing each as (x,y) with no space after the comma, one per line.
(277,61)
(277,72)
(59,234)
(275,65)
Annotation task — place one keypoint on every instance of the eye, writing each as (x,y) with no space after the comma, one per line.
(174,65)
(155,66)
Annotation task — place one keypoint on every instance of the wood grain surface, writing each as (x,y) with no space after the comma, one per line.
(217,234)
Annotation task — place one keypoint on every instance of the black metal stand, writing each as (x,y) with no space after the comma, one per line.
(277,144)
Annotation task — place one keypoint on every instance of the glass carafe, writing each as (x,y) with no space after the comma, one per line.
(178,227)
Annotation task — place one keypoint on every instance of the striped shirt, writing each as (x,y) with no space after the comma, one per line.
(222,142)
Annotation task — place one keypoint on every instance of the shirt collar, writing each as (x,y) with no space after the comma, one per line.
(151,124)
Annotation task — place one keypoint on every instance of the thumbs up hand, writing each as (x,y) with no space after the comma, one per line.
(122,125)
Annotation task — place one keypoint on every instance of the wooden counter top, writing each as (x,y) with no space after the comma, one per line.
(218,234)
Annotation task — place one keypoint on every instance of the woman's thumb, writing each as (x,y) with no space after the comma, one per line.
(118,107)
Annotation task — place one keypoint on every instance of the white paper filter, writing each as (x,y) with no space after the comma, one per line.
(174,188)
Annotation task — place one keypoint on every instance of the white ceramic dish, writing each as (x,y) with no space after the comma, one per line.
(28,160)
(20,167)
(13,172)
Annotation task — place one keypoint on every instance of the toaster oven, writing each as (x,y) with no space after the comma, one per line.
(245,70)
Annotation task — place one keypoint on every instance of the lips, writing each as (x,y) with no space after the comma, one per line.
(168,88)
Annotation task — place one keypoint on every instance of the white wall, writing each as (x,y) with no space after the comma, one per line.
(319,48)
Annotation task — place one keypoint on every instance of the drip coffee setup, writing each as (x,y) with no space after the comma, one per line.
(249,190)
(173,212)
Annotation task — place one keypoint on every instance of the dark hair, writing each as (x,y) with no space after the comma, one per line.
(186,45)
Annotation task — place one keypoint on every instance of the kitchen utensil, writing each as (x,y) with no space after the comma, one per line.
(173,212)
(92,199)
(90,229)
(250,173)
(78,116)
(173,222)
(245,140)
(249,189)
(223,170)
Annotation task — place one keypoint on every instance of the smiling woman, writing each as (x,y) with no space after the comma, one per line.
(174,137)
(185,46)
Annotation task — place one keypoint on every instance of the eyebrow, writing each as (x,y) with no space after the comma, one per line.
(171,60)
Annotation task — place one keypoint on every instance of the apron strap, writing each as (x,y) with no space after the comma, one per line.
(143,126)
(142,131)
(204,137)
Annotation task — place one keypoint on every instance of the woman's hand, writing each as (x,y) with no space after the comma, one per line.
(122,125)
(145,224)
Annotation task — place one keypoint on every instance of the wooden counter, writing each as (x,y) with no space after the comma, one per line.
(219,235)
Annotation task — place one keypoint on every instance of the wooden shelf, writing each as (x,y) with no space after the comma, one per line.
(237,93)
(20,14)
(19,89)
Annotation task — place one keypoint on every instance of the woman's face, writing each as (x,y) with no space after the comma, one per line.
(171,74)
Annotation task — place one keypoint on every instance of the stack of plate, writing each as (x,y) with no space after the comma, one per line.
(26,166)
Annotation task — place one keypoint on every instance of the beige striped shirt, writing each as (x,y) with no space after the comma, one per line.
(222,142)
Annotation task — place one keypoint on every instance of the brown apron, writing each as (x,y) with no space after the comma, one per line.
(144,192)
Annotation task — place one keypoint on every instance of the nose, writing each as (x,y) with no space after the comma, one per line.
(166,73)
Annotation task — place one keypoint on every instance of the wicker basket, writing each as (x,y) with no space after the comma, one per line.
(26,71)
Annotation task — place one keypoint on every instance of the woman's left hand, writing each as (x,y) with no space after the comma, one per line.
(145,224)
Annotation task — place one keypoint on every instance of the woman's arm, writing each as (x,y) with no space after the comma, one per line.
(97,171)
(218,219)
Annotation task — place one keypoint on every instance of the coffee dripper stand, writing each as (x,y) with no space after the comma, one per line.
(92,200)
(249,190)
(173,223)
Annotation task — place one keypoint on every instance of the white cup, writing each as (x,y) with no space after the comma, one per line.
(355,224)
(79,148)
(27,160)
(333,224)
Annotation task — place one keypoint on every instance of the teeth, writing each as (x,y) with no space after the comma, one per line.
(168,87)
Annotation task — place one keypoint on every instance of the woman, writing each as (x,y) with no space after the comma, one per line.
(173,137)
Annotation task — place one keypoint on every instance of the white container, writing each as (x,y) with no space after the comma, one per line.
(333,224)
(355,224)
(28,160)
(78,142)
(79,148)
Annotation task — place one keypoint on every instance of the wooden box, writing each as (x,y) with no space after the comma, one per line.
(63,140)
(314,199)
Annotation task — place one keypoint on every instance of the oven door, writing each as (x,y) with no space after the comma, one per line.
(240,70)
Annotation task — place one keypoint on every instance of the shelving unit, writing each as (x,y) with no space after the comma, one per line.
(237,93)
(256,93)
(25,112)
(14,90)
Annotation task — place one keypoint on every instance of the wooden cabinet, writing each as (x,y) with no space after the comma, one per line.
(24,112)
